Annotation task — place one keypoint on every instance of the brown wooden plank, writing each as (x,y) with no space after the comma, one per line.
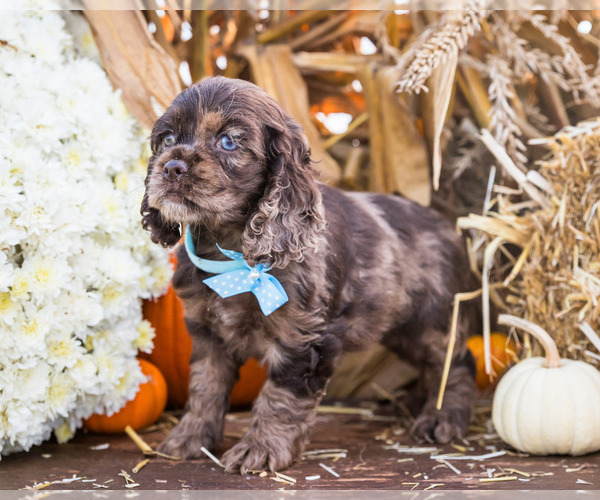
(368,465)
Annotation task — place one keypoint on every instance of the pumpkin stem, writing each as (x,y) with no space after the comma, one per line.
(541,335)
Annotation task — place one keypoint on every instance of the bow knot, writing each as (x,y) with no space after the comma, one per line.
(237,276)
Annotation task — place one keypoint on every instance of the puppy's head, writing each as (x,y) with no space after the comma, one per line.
(226,156)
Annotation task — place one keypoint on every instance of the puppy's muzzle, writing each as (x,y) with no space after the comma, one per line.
(174,169)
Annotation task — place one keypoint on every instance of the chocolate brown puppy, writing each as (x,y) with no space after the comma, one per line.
(231,166)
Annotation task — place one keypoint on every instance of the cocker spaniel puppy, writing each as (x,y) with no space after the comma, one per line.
(323,271)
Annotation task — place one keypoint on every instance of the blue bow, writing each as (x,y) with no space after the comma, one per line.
(237,276)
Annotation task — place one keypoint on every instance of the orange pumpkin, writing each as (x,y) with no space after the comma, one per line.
(172,344)
(252,378)
(173,349)
(141,411)
(502,350)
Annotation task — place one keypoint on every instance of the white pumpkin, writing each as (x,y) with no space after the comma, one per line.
(547,406)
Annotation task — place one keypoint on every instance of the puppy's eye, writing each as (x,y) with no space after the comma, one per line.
(169,140)
(227,143)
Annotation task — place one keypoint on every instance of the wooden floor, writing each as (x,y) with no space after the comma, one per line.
(377,455)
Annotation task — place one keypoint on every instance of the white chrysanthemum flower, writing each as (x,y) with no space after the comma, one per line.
(7,273)
(61,394)
(9,309)
(33,382)
(74,259)
(83,40)
(63,350)
(46,276)
(143,342)
(22,285)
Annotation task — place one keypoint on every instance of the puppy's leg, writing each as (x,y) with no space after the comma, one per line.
(284,411)
(212,376)
(452,420)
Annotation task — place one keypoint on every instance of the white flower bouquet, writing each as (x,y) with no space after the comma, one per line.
(74,260)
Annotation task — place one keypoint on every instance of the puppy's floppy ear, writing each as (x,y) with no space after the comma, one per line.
(289,216)
(162,232)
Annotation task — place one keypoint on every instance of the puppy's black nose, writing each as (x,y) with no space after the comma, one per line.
(174,169)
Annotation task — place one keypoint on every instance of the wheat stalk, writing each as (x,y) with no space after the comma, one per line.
(571,62)
(524,58)
(502,114)
(434,46)
(538,119)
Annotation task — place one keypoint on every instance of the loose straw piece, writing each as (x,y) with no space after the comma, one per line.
(145,447)
(488,191)
(330,470)
(486,456)
(496,479)
(592,355)
(321,454)
(285,478)
(141,444)
(458,298)
(509,166)
(591,335)
(140,465)
(488,256)
(344,410)
(98,447)
(519,264)
(414,485)
(516,471)
(450,466)
(129,482)
(280,480)
(212,457)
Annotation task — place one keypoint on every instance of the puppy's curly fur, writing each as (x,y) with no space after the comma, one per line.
(358,268)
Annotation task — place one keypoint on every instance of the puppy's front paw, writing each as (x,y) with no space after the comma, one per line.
(254,453)
(189,436)
(440,426)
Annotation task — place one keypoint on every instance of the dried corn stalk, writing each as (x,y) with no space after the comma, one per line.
(135,62)
(527,60)
(274,71)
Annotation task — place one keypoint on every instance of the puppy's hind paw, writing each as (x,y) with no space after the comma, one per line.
(188,437)
(440,426)
(250,455)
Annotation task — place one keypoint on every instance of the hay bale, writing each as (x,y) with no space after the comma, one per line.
(553,278)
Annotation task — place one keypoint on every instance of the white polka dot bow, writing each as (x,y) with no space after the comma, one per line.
(237,276)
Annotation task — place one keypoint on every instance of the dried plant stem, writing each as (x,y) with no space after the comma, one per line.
(488,256)
(357,122)
(141,444)
(145,447)
(140,465)
(290,24)
(509,166)
(458,298)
